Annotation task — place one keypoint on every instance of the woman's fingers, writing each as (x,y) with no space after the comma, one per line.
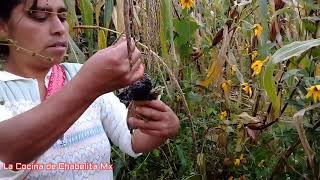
(122,39)
(136,72)
(122,44)
(136,55)
(163,133)
(151,113)
(152,132)
(136,65)
(155,122)
(146,125)
(155,104)
(132,45)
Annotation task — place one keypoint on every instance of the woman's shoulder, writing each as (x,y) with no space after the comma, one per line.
(71,69)
(6,76)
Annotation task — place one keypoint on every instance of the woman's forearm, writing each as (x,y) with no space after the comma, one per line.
(142,143)
(28,135)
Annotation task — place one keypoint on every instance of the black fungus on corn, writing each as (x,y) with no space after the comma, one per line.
(139,91)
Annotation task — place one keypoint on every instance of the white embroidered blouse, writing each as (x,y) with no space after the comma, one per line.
(85,144)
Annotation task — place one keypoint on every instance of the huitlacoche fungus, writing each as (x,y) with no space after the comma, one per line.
(142,90)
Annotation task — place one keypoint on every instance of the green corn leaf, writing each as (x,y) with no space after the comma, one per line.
(281,55)
(86,9)
(264,19)
(72,16)
(290,73)
(76,55)
(185,29)
(293,49)
(97,10)
(166,32)
(108,10)
(164,24)
(102,41)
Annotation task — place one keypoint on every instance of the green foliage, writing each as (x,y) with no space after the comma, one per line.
(213,42)
(281,55)
(87,19)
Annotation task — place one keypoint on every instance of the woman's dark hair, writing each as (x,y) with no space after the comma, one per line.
(6,7)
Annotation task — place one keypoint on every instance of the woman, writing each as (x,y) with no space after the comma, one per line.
(52,112)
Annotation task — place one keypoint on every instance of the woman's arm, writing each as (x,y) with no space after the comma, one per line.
(142,143)
(26,136)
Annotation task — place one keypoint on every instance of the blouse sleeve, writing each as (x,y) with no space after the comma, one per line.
(114,115)
(5,113)
(5,172)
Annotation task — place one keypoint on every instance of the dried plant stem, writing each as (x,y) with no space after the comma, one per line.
(142,162)
(126,12)
(12,43)
(96,27)
(256,105)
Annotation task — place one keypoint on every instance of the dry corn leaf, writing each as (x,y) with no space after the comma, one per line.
(214,71)
(117,16)
(222,140)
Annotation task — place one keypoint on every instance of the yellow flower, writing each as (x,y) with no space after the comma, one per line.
(257,30)
(230,178)
(186,4)
(237,162)
(223,115)
(226,86)
(314,91)
(257,66)
(247,89)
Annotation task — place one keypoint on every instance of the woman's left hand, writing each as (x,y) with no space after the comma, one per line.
(155,118)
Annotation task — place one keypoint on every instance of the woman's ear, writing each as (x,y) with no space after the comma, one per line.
(3,30)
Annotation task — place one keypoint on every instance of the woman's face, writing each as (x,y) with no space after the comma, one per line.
(43,29)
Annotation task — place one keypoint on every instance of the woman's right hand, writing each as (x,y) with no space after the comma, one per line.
(109,69)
